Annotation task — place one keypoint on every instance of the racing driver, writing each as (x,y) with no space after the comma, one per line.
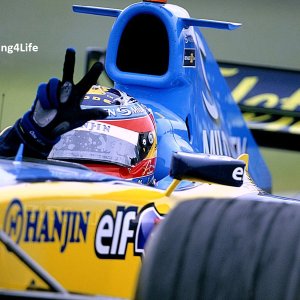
(102,128)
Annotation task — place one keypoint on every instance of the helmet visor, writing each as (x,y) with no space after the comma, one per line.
(98,141)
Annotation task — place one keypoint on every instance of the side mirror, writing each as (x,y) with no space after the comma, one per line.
(94,54)
(209,168)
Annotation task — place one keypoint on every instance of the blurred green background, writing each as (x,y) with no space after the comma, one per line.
(269,36)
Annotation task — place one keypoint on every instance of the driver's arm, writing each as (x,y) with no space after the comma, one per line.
(55,111)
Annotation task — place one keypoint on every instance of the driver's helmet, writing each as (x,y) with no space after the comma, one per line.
(124,144)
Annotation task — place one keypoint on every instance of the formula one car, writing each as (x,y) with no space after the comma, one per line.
(208,229)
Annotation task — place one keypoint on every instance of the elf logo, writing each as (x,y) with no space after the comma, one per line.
(238,174)
(115,231)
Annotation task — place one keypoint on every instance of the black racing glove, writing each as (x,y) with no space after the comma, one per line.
(56,108)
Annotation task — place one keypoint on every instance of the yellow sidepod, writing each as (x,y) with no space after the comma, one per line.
(87,236)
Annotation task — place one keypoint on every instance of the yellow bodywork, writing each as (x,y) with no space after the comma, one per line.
(56,224)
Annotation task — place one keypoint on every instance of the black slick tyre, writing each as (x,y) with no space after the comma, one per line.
(224,249)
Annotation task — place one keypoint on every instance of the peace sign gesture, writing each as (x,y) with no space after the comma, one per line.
(56,108)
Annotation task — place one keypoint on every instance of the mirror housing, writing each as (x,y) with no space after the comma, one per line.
(209,168)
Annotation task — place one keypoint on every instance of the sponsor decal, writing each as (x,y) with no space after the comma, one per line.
(276,90)
(126,111)
(275,123)
(111,130)
(117,111)
(217,142)
(116,230)
(149,217)
(211,106)
(256,86)
(189,41)
(238,174)
(189,57)
(29,225)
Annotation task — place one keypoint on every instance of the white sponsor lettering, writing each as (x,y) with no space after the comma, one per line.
(114,233)
(104,230)
(111,130)
(238,174)
(127,233)
(216,142)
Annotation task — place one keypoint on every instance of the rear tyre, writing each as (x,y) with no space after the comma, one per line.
(224,249)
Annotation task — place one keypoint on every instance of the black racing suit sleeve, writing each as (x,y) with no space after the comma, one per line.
(11,138)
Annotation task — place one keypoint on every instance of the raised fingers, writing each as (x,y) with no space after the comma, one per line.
(69,65)
(89,79)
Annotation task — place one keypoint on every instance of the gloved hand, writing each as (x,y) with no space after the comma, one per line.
(56,108)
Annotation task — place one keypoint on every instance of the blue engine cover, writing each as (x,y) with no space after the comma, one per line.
(157,54)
